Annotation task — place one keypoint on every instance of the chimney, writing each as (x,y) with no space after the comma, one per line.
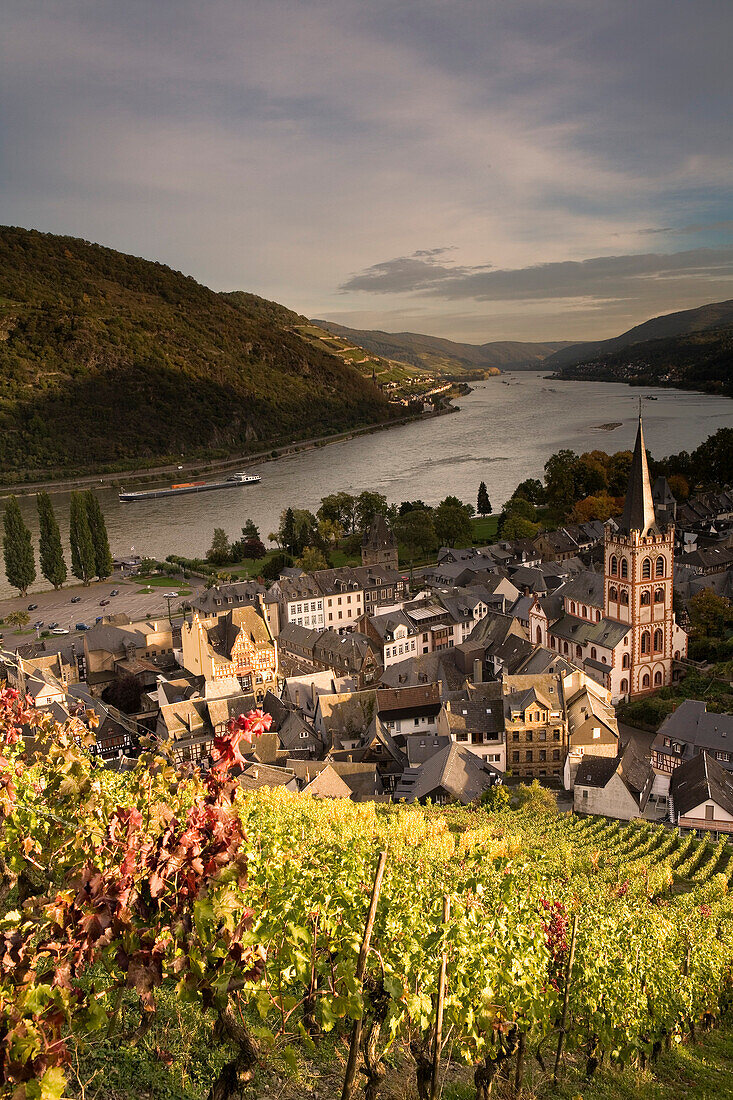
(477,671)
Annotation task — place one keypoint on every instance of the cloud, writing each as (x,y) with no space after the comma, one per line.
(600,277)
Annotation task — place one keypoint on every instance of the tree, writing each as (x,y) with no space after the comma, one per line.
(250,530)
(560,479)
(452,523)
(287,530)
(18,618)
(83,561)
(103,564)
(330,531)
(368,505)
(20,566)
(679,486)
(253,549)
(312,559)
(416,530)
(272,569)
(220,552)
(519,506)
(531,489)
(617,472)
(590,475)
(515,526)
(483,504)
(50,551)
(601,507)
(709,613)
(339,508)
(713,459)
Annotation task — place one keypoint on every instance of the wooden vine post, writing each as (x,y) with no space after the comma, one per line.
(566,995)
(360,968)
(438,1039)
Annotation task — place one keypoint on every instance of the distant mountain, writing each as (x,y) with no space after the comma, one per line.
(447,357)
(717,315)
(107,360)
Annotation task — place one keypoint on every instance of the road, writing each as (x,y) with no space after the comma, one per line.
(57,606)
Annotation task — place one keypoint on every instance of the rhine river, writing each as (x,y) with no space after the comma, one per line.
(504,432)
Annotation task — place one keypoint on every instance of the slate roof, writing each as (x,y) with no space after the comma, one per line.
(420,700)
(701,779)
(638,513)
(692,727)
(239,592)
(587,587)
(438,667)
(607,633)
(361,779)
(421,746)
(634,769)
(386,624)
(254,776)
(466,716)
(453,770)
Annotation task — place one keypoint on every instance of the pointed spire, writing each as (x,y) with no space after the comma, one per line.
(638,514)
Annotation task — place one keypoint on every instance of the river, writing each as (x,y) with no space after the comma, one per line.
(504,432)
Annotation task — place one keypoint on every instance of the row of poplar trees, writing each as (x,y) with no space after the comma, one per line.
(90,553)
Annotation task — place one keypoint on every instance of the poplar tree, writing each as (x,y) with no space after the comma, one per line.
(20,565)
(83,561)
(51,554)
(103,564)
(483,504)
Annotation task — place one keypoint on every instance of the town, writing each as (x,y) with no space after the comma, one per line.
(496,666)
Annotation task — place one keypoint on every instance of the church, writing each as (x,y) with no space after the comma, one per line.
(619,625)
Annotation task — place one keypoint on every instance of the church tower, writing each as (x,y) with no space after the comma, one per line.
(638,566)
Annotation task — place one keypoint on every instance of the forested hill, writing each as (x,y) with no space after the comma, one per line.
(107,360)
(447,356)
(714,316)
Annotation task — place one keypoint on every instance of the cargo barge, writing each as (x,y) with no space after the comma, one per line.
(191,487)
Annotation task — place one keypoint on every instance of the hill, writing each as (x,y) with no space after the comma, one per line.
(716,315)
(447,358)
(108,360)
(696,361)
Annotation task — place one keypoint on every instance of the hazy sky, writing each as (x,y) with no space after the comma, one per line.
(478,169)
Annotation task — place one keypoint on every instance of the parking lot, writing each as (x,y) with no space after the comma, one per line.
(57,606)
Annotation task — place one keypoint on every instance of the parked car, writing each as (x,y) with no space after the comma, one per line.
(81,626)
(115,592)
(33,607)
(75,599)
(103,603)
(38,625)
(60,630)
(170,595)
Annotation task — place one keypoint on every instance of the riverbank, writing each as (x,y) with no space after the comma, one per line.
(147,475)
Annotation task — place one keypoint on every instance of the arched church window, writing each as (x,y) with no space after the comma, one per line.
(593,653)
(646,568)
(660,567)
(645,681)
(657,679)
(646,599)
(626,661)
(624,686)
(624,597)
(658,641)
(645,640)
(614,565)
(659,595)
(613,592)
(624,567)
(539,635)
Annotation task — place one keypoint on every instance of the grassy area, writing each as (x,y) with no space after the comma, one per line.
(485,529)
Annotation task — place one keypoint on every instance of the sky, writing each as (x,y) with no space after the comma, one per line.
(474,169)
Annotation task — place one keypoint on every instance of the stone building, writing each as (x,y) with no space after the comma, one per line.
(379,546)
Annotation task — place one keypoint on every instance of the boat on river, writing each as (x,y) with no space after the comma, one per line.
(230,482)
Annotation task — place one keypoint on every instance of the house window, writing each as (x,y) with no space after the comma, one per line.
(555,754)
(515,736)
(528,756)
(543,735)
(543,756)
(585,794)
(529,735)
(556,735)
(515,757)
(709,813)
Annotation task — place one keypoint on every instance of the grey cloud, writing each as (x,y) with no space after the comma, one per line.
(602,276)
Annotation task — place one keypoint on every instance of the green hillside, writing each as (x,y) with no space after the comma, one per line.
(698,361)
(714,316)
(107,360)
(447,358)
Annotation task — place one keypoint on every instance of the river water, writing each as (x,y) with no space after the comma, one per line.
(504,432)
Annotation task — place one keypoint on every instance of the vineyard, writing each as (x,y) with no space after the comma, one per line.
(391,939)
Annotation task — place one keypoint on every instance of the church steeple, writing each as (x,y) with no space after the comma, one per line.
(638,514)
